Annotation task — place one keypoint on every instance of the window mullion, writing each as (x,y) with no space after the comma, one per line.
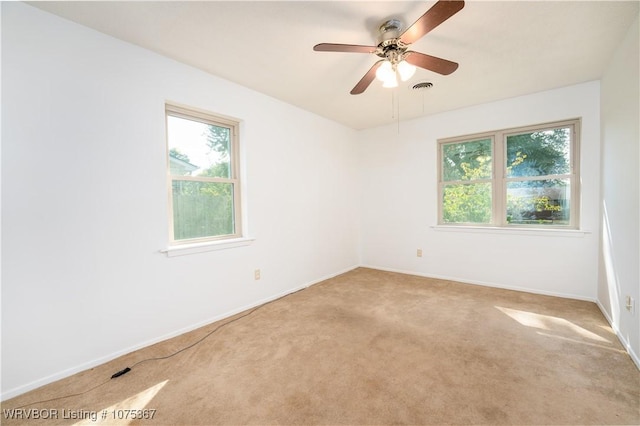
(543,177)
(204,179)
(499,185)
(466,181)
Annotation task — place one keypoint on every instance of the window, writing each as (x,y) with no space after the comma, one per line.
(525,177)
(203,175)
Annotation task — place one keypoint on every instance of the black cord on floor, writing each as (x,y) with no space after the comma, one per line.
(203,337)
(127,369)
(61,397)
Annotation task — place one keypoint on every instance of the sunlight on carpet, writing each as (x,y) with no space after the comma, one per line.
(582,342)
(546,322)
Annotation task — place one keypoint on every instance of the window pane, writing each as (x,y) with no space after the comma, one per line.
(539,153)
(202,209)
(198,149)
(539,202)
(466,160)
(467,203)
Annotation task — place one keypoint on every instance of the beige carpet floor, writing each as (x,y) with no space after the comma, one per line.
(368,348)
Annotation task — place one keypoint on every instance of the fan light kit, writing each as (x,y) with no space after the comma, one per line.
(388,73)
(397,61)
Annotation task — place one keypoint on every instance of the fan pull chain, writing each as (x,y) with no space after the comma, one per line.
(393,104)
(398,114)
(395,107)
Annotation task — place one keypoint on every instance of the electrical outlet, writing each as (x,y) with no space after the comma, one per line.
(629,304)
(419,253)
(256,274)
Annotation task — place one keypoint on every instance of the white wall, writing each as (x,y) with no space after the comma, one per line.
(85,205)
(399,199)
(620,249)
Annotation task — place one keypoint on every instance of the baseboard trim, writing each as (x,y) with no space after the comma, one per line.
(624,341)
(98,361)
(484,283)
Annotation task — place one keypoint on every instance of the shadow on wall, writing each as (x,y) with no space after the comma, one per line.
(612,281)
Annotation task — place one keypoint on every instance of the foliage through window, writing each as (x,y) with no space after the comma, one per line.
(524,177)
(204,187)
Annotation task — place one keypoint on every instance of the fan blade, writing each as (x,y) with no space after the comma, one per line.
(367,79)
(431,63)
(333,47)
(433,17)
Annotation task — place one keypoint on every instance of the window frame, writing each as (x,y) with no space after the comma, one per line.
(499,178)
(209,118)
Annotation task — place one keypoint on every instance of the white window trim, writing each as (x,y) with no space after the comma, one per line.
(540,232)
(193,248)
(218,242)
(499,180)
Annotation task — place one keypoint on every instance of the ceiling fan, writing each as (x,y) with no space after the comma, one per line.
(392,48)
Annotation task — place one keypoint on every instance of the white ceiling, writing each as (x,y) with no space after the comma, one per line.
(504,48)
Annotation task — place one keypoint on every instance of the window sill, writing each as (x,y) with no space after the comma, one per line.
(576,233)
(181,250)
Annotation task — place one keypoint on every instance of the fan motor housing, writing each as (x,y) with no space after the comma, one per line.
(390,30)
(390,46)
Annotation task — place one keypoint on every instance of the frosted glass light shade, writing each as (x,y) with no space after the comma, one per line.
(406,70)
(385,72)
